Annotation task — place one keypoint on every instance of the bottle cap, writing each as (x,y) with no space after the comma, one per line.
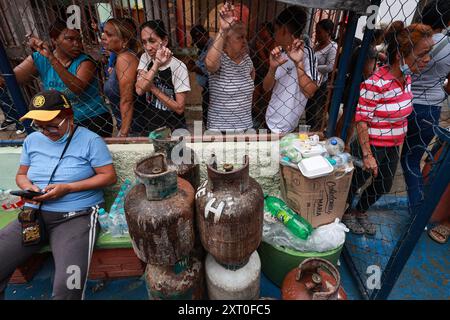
(333,142)
(331,161)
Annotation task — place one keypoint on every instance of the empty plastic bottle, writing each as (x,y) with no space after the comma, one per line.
(114,208)
(123,221)
(115,225)
(103,219)
(334,146)
(293,222)
(342,160)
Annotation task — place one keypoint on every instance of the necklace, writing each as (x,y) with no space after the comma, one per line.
(65,64)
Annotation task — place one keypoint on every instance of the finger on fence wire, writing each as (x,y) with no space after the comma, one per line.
(131,67)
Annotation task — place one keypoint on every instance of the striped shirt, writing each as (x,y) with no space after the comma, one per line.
(231,93)
(288,102)
(384,104)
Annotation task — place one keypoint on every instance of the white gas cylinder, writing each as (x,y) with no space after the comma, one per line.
(240,284)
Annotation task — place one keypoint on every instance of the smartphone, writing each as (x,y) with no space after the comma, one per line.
(27,194)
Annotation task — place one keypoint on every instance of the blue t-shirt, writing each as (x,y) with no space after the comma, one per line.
(86,105)
(86,151)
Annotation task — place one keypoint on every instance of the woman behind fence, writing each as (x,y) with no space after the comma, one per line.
(119,37)
(381,121)
(163,78)
(63,66)
(231,76)
(429,94)
(325,51)
(71,165)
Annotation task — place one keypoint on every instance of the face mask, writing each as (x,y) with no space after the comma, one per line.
(65,136)
(404,68)
(446,31)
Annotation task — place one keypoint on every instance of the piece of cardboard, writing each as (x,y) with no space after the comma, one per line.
(320,200)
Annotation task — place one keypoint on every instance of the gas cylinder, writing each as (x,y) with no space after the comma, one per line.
(314,279)
(178,155)
(229,213)
(183,281)
(228,284)
(160,213)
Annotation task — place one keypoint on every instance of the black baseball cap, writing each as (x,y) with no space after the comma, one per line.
(46,105)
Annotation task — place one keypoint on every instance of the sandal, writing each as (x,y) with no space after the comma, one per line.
(352,223)
(439,233)
(369,228)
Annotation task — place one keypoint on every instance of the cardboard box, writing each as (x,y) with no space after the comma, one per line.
(320,200)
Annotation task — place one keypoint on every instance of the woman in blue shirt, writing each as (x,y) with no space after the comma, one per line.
(67,69)
(119,38)
(72,194)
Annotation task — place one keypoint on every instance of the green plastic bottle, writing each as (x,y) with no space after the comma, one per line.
(295,223)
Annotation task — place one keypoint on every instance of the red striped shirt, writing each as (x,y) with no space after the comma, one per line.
(384,104)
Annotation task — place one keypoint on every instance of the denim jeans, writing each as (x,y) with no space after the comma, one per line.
(418,137)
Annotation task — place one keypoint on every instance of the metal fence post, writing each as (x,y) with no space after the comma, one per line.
(439,180)
(13,86)
(344,61)
(356,81)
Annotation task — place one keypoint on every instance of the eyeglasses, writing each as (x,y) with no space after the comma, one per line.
(51,129)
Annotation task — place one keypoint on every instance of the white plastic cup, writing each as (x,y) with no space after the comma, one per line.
(304,128)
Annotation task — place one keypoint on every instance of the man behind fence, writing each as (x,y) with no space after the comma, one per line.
(292,74)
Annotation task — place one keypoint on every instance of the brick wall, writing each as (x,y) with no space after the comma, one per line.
(115,263)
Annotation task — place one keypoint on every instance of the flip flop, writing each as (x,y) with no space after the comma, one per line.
(439,233)
(352,223)
(369,228)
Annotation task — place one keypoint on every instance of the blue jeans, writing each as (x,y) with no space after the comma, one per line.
(418,137)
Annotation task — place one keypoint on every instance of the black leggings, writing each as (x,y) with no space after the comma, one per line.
(387,160)
(101,124)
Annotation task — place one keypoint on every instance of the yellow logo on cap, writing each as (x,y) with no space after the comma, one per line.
(38,101)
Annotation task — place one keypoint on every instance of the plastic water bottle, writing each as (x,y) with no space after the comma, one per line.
(123,221)
(126,186)
(292,221)
(334,146)
(114,208)
(103,219)
(357,162)
(115,225)
(342,160)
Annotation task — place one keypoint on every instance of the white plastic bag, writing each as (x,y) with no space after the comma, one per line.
(322,239)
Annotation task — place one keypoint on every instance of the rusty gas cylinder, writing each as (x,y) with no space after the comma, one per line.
(314,279)
(183,281)
(229,211)
(178,155)
(160,213)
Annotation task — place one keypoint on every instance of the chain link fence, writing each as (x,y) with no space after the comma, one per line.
(239,78)
(105,97)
